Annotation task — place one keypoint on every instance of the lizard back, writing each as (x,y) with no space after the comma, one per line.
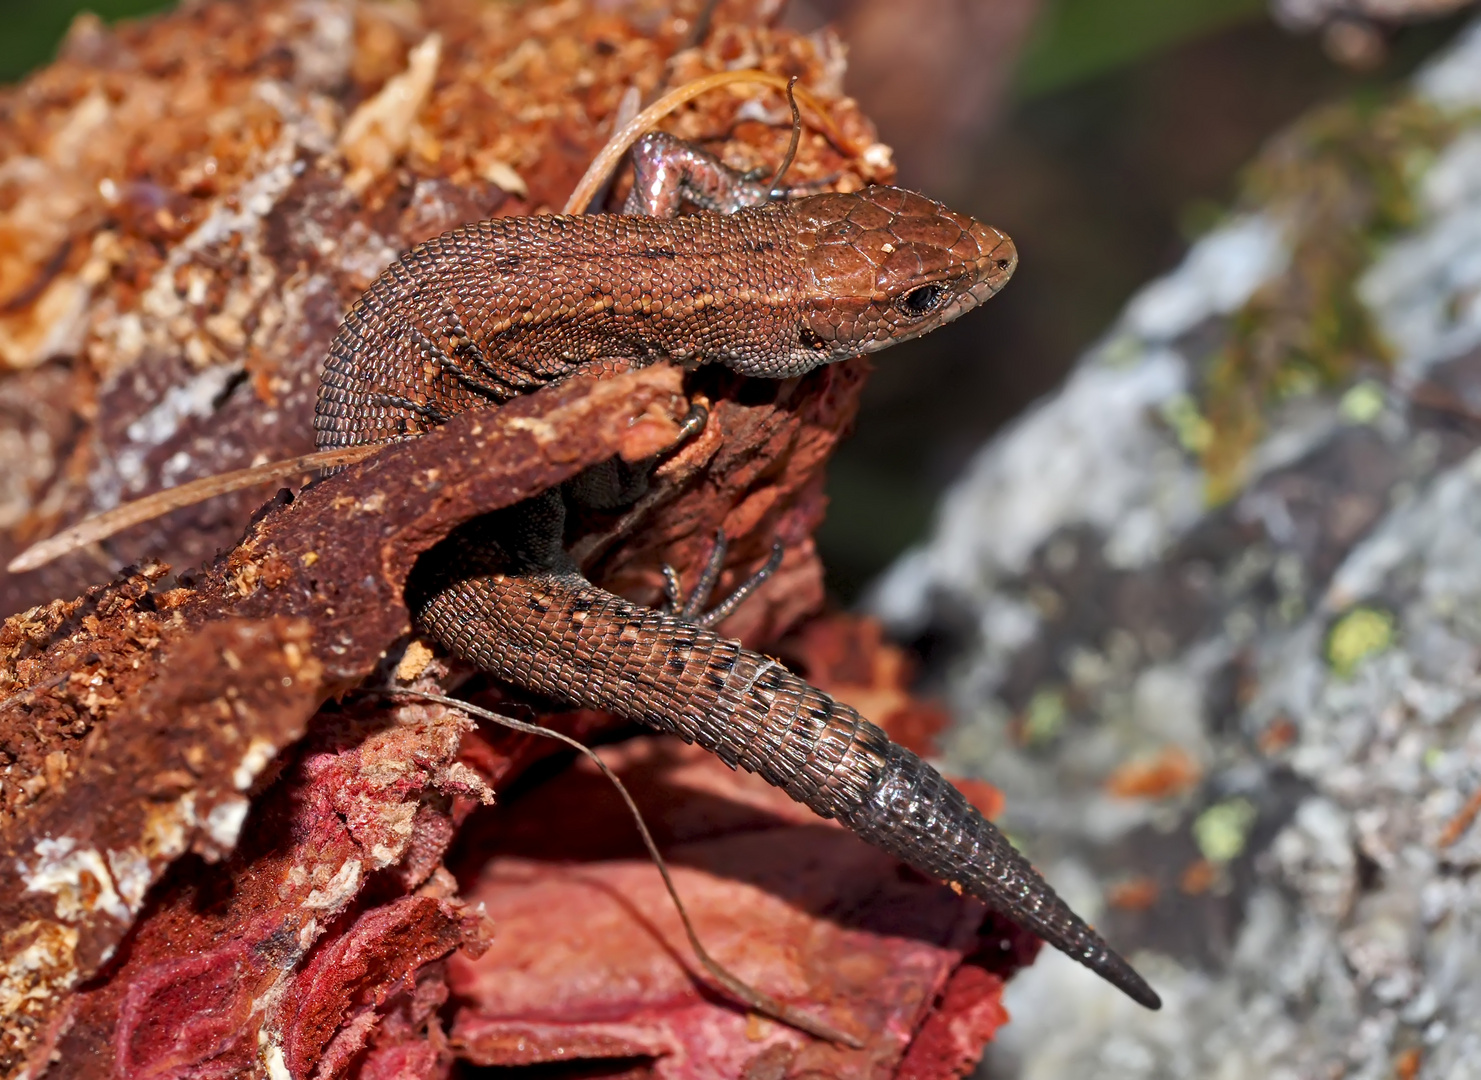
(499,308)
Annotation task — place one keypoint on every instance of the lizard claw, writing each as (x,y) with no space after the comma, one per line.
(693,423)
(709,577)
(693,610)
(725,608)
(673,591)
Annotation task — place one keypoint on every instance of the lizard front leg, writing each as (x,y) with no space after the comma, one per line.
(668,172)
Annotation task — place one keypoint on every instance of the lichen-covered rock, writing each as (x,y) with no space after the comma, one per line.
(1213,606)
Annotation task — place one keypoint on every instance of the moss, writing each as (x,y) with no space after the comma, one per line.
(1344,179)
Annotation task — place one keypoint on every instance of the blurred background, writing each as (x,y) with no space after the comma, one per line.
(1103,135)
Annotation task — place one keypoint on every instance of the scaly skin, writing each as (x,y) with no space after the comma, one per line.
(499,308)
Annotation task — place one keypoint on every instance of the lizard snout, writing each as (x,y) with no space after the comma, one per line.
(998,260)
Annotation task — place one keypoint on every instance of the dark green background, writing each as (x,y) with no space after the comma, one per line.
(30,29)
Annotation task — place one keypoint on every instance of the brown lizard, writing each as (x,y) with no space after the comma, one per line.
(770,287)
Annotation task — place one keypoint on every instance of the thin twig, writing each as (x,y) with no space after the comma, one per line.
(701,25)
(34,691)
(775,186)
(101,526)
(755,999)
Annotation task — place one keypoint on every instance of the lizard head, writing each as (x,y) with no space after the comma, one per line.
(886,265)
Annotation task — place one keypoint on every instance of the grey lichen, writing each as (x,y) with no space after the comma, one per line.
(1277,579)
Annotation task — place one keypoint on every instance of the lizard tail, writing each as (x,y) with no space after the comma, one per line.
(916,815)
(562,637)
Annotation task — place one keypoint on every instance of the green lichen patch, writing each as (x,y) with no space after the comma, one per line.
(1357,635)
(1222,830)
(1194,433)
(1363,403)
(1044,717)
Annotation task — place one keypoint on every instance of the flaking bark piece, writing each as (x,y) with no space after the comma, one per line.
(589,962)
(340,554)
(327,920)
(168,773)
(303,608)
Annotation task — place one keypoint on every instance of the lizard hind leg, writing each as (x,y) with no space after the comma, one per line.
(616,484)
(668,173)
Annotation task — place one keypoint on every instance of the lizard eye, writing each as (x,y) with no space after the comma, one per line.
(921,301)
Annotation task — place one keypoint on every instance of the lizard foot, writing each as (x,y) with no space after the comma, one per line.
(693,423)
(693,609)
